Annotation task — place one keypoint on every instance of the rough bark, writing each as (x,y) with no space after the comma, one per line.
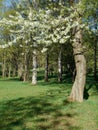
(34,75)
(60,66)
(80,62)
(46,66)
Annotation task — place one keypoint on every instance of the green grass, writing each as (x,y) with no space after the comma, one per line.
(44,107)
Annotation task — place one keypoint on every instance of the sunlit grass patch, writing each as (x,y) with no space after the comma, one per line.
(44,107)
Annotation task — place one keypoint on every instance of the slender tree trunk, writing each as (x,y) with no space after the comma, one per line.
(14,72)
(46,66)
(74,74)
(25,77)
(60,66)
(3,68)
(20,71)
(95,60)
(9,73)
(34,75)
(80,62)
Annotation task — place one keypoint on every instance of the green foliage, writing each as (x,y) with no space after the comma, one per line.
(49,26)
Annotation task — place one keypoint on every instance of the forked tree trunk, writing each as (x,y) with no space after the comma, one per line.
(80,62)
(60,66)
(34,75)
(46,66)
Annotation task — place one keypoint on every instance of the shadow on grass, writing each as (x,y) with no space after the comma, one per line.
(91,84)
(35,113)
(10,79)
(54,82)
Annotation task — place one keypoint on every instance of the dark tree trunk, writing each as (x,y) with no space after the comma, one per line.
(60,66)
(73,75)
(95,60)
(46,66)
(80,62)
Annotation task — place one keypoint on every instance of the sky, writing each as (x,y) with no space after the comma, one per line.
(7,2)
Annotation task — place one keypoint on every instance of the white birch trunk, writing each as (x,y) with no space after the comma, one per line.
(60,66)
(46,66)
(34,74)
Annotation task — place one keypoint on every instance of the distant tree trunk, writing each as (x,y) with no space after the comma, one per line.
(20,71)
(25,77)
(9,71)
(46,66)
(34,75)
(60,66)
(14,72)
(73,75)
(95,60)
(80,62)
(3,68)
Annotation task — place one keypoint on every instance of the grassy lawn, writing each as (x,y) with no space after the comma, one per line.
(44,107)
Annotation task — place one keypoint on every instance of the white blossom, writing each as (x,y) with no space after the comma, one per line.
(44,50)
(62,41)
(21,45)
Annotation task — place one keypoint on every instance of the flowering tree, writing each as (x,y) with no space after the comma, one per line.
(48,26)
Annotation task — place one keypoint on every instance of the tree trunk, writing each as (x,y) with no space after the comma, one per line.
(25,77)
(80,62)
(3,68)
(46,66)
(34,75)
(14,72)
(95,60)
(20,71)
(60,66)
(73,75)
(9,73)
